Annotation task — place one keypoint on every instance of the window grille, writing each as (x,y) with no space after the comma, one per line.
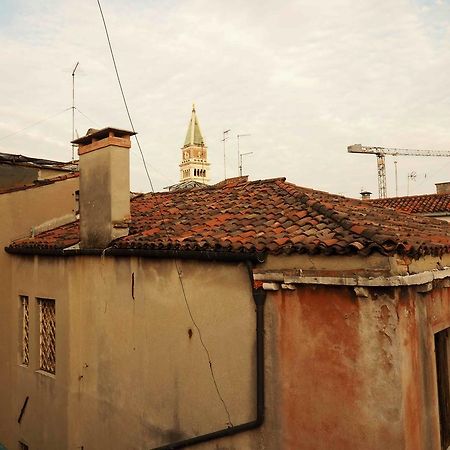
(47,335)
(25,325)
(23,446)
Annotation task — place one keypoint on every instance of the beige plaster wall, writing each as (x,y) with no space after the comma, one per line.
(131,372)
(372,265)
(51,173)
(20,211)
(341,371)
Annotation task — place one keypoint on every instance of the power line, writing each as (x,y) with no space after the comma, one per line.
(205,348)
(85,116)
(123,95)
(34,124)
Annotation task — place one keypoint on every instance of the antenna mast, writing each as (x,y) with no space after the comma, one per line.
(73,110)
(241,156)
(239,153)
(225,137)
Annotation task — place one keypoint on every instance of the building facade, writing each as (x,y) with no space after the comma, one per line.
(25,211)
(248,315)
(19,170)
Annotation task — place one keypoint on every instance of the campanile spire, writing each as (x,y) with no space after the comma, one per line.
(194,154)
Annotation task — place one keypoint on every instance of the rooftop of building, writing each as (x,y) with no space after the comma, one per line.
(266,216)
(39,183)
(417,204)
(27,161)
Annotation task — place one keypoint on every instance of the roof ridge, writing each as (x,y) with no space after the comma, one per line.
(374,200)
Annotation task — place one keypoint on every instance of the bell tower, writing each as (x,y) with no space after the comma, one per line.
(194,154)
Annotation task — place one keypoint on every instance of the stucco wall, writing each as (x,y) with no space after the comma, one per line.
(341,371)
(131,372)
(12,176)
(356,373)
(20,211)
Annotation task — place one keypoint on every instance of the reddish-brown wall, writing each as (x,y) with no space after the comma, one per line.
(355,372)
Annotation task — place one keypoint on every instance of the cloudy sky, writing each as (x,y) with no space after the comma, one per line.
(304,78)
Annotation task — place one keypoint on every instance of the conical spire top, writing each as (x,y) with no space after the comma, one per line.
(194,135)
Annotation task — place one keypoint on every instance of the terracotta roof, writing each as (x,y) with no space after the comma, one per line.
(270,216)
(21,160)
(417,204)
(39,183)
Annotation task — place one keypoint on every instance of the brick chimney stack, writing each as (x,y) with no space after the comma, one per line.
(104,186)
(443,188)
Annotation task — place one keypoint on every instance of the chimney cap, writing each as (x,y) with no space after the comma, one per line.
(101,134)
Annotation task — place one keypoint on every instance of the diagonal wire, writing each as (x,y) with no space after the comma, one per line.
(205,348)
(86,117)
(34,124)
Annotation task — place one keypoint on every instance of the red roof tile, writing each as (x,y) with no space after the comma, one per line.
(264,216)
(417,204)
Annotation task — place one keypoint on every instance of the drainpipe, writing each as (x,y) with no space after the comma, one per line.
(259,297)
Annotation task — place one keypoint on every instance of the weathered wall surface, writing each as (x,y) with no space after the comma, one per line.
(341,371)
(358,373)
(20,211)
(130,368)
(12,176)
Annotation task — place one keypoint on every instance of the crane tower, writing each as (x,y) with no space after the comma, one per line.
(381,152)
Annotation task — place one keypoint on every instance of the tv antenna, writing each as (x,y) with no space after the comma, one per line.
(73,110)
(225,137)
(396,179)
(241,156)
(239,153)
(411,176)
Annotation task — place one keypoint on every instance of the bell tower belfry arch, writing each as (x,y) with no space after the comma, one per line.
(194,154)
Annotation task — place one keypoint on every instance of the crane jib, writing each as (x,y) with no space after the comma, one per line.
(381,152)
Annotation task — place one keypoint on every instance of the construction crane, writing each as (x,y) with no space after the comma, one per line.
(381,152)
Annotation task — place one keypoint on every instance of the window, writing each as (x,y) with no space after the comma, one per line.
(24,330)
(47,335)
(441,343)
(23,446)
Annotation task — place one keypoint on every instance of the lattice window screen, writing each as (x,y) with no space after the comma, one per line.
(25,357)
(47,333)
(23,446)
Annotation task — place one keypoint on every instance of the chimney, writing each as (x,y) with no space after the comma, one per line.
(443,188)
(365,195)
(104,186)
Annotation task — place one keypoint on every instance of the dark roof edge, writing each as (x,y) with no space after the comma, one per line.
(187,254)
(101,134)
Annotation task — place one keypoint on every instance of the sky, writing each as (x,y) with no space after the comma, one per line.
(304,79)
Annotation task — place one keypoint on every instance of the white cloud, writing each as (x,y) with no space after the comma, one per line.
(306,79)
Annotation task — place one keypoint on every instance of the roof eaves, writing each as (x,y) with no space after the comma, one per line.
(257,257)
